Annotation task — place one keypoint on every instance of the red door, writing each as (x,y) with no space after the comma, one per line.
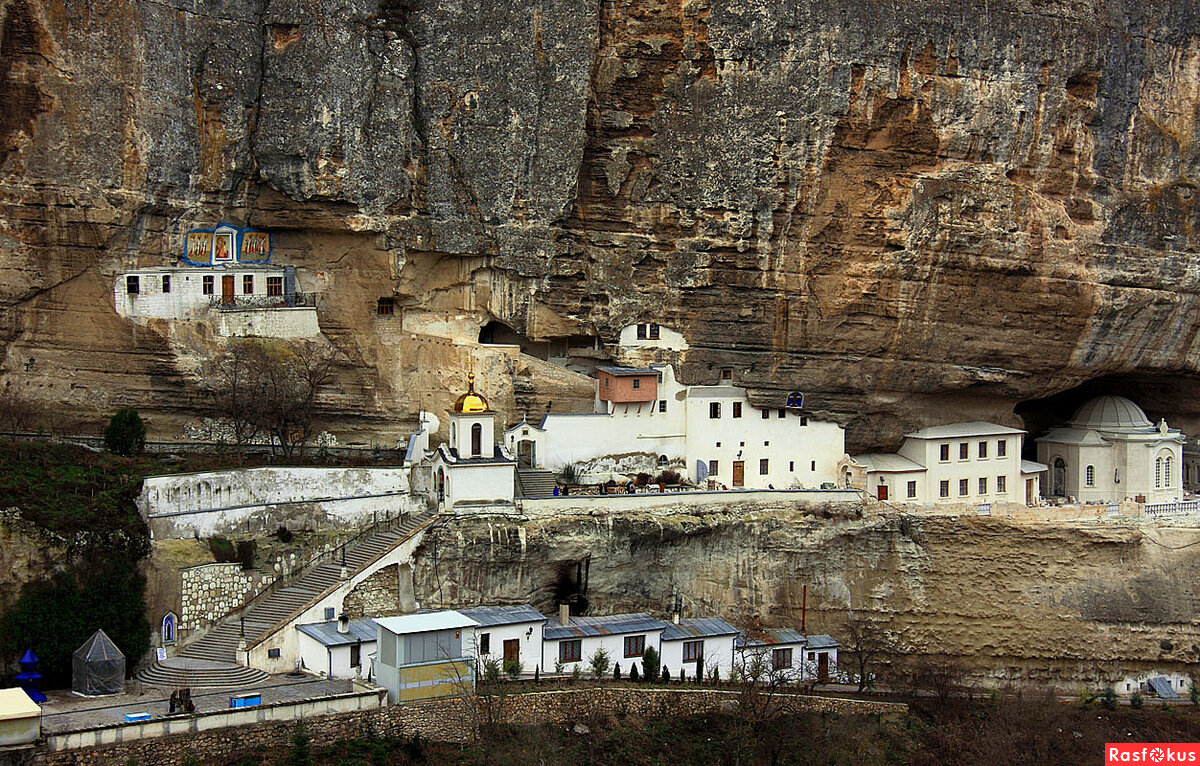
(881,492)
(512,650)
(823,666)
(227,289)
(739,473)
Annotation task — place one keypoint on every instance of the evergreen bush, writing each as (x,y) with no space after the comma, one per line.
(1136,701)
(125,434)
(617,672)
(650,664)
(633,673)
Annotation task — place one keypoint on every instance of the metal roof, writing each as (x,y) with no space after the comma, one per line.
(962,430)
(771,636)
(882,462)
(326,633)
(698,627)
(627,370)
(425,622)
(1029,466)
(503,615)
(610,625)
(822,641)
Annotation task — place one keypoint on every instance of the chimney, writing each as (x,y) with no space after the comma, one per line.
(564,614)
(343,623)
(675,618)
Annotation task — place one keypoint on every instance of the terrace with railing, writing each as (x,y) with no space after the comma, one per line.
(242,302)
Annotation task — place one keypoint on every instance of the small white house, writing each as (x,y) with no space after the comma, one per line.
(20,718)
(789,653)
(572,641)
(698,644)
(507,634)
(425,656)
(339,648)
(471,472)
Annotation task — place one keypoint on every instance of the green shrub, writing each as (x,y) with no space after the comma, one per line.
(1109,698)
(599,663)
(616,671)
(246,550)
(1136,701)
(125,434)
(633,672)
(650,664)
(491,669)
(301,751)
(665,675)
(1195,693)
(283,534)
(513,668)
(223,550)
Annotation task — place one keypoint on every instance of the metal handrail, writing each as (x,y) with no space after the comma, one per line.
(235,302)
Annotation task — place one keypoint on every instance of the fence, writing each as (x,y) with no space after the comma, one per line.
(1171,509)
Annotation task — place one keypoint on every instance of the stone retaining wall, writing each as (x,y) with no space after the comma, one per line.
(448,720)
(211,591)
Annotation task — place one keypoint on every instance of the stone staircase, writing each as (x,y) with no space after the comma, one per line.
(273,606)
(535,482)
(186,673)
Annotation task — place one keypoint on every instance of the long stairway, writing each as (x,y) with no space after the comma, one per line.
(535,482)
(218,647)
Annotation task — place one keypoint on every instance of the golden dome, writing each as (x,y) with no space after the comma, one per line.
(471,401)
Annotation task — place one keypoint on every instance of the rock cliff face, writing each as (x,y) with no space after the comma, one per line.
(1010,600)
(912,212)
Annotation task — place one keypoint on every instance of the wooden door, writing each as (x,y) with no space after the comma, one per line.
(739,473)
(881,492)
(227,289)
(512,650)
(823,667)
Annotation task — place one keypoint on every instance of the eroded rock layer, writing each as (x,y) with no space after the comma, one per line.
(1014,601)
(913,212)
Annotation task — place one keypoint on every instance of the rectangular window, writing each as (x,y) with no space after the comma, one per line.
(634,646)
(653,331)
(247,284)
(662,405)
(783,413)
(166,283)
(570,651)
(944,488)
(273,654)
(912,490)
(274,285)
(713,465)
(485,643)
(726,373)
(714,410)
(791,465)
(983,485)
(803,420)
(964,450)
(355,655)
(737,409)
(781,659)
(208,284)
(132,285)
(812,466)
(944,453)
(693,651)
(982,450)
(330,612)
(637,383)
(1001,484)
(1001,447)
(766,414)
(385,307)
(763,466)
(641,332)
(963,487)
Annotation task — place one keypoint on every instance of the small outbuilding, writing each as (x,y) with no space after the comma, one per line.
(98,667)
(20,718)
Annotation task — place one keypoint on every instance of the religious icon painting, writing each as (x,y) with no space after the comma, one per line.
(222,247)
(199,246)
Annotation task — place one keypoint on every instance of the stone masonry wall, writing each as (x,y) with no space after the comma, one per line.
(377,596)
(209,592)
(445,720)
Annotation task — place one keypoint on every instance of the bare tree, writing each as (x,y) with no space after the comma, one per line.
(18,412)
(270,388)
(869,645)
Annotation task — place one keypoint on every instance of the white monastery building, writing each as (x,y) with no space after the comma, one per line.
(1110,451)
(471,471)
(961,463)
(713,430)
(224,276)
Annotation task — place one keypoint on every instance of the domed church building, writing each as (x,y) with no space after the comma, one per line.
(472,472)
(1110,451)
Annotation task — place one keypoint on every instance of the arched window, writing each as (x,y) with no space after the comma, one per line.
(476,439)
(1158,466)
(662,459)
(1059,478)
(1168,465)
(1091,476)
(168,628)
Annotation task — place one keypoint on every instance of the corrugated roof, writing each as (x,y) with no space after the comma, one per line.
(698,627)
(15,703)
(425,622)
(961,430)
(627,370)
(362,629)
(771,636)
(822,641)
(609,625)
(882,462)
(503,615)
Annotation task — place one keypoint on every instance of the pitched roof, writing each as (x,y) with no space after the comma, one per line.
(503,615)
(770,637)
(962,430)
(627,370)
(608,625)
(822,641)
(1030,466)
(326,633)
(698,627)
(424,622)
(882,462)
(99,647)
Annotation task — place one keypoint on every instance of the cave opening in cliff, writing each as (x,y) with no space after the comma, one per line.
(576,352)
(1174,397)
(570,584)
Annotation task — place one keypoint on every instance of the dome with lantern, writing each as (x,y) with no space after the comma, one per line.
(471,401)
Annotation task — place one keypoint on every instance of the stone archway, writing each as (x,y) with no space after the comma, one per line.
(526,453)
